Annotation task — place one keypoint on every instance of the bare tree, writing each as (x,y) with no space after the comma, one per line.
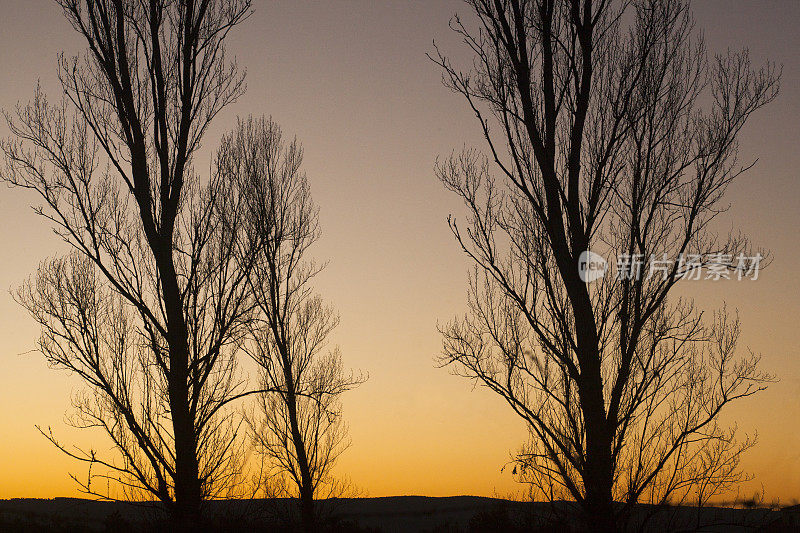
(149,307)
(610,128)
(297,425)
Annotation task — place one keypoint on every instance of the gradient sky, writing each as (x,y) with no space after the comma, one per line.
(351,80)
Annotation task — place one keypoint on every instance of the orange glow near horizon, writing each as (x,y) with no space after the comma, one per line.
(351,80)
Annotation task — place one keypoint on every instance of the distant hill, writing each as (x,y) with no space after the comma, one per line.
(397,514)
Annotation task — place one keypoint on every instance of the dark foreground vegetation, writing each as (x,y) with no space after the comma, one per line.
(392,514)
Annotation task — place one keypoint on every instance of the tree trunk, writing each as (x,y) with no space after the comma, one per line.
(307,511)
(306,484)
(599,509)
(188,488)
(599,514)
(598,477)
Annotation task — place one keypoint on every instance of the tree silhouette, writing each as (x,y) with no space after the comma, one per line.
(297,426)
(610,128)
(150,305)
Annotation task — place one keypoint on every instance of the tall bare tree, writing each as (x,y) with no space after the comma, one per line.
(148,307)
(608,127)
(297,426)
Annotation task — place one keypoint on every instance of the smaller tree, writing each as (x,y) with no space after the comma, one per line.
(299,429)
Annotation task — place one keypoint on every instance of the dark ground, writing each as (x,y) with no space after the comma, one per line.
(392,515)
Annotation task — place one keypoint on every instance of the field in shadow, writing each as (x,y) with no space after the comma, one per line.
(398,514)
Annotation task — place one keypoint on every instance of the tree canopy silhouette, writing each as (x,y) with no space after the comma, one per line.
(297,425)
(152,302)
(609,128)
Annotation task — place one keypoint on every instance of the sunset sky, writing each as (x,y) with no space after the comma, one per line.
(351,80)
